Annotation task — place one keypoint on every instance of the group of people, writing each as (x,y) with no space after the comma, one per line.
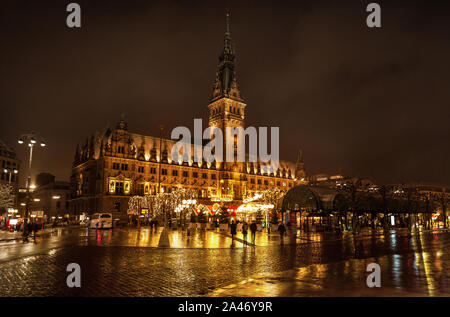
(21,225)
(253,228)
(6,225)
(30,227)
(152,223)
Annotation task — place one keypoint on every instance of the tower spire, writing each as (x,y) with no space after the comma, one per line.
(300,168)
(300,156)
(225,84)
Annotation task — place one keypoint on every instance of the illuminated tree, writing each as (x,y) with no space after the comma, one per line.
(137,203)
(180,194)
(273,196)
(160,203)
(6,196)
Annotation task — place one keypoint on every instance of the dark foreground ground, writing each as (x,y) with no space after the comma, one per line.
(123,262)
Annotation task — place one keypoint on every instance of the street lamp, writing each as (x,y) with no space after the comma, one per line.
(164,237)
(56,197)
(31,139)
(10,171)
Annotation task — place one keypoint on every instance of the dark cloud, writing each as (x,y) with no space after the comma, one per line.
(364,102)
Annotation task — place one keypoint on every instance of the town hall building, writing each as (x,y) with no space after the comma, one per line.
(112,166)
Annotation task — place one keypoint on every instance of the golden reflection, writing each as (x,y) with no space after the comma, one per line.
(175,240)
(424,257)
(213,241)
(269,289)
(144,237)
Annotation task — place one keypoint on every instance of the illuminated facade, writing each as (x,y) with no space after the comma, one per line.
(117,164)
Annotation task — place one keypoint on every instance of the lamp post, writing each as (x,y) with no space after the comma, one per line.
(161,127)
(56,198)
(10,171)
(164,237)
(444,207)
(32,140)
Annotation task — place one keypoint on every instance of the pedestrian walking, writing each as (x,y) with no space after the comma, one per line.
(253,229)
(282,231)
(35,229)
(233,229)
(156,225)
(245,230)
(25,231)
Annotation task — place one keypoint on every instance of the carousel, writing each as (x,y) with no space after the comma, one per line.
(254,211)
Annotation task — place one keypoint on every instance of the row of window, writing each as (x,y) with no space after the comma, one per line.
(186,174)
(8,163)
(266,182)
(58,205)
(8,177)
(234,110)
(120,149)
(120,188)
(151,189)
(118,166)
(164,172)
(141,169)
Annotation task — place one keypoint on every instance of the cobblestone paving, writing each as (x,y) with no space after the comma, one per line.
(114,270)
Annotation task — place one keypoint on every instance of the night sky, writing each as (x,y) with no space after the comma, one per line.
(363,102)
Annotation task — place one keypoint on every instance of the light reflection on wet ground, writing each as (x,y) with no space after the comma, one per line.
(145,237)
(124,262)
(420,268)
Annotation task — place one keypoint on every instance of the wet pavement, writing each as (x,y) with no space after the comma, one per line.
(126,262)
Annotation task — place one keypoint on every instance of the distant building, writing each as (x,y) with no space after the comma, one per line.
(50,198)
(9,172)
(44,178)
(10,165)
(434,191)
(337,181)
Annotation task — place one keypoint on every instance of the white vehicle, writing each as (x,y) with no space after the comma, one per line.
(101,221)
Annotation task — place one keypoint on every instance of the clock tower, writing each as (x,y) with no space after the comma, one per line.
(226,107)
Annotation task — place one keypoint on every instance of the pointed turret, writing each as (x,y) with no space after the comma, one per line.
(91,147)
(102,149)
(122,124)
(141,150)
(225,84)
(76,158)
(84,153)
(300,168)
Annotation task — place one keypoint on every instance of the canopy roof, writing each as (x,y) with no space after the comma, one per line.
(321,199)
